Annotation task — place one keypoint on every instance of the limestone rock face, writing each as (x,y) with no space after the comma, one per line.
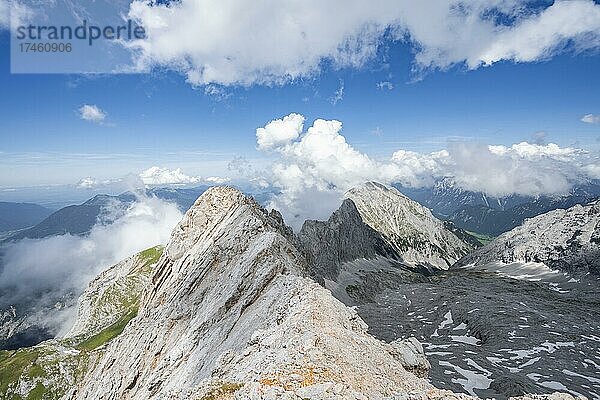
(377,221)
(566,240)
(342,238)
(228,308)
(408,228)
(410,353)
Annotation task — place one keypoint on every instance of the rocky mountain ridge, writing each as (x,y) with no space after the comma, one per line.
(229,309)
(228,313)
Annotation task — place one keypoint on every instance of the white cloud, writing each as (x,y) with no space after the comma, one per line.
(315,168)
(274,42)
(279,132)
(385,85)
(88,183)
(15,12)
(4,14)
(218,93)
(591,119)
(92,113)
(155,176)
(61,265)
(538,37)
(165,176)
(523,168)
(130,182)
(216,180)
(338,95)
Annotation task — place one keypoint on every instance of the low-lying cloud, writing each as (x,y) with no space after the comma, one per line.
(54,268)
(314,168)
(166,176)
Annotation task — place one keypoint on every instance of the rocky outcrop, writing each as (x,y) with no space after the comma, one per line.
(227,314)
(114,293)
(566,240)
(407,227)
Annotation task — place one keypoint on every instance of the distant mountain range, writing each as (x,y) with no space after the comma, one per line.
(477,212)
(15,216)
(79,219)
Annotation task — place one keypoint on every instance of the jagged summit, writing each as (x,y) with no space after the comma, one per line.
(218,205)
(342,238)
(409,228)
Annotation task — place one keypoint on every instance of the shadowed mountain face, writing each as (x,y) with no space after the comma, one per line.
(14,216)
(105,209)
(378,221)
(342,238)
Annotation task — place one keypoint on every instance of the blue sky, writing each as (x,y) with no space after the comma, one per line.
(158,118)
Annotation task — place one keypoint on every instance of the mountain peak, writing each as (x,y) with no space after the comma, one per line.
(409,228)
(215,206)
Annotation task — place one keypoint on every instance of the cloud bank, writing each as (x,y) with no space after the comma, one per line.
(314,168)
(59,266)
(271,42)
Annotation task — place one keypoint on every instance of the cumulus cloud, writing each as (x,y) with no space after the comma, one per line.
(591,119)
(314,168)
(92,113)
(296,39)
(523,168)
(61,266)
(279,132)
